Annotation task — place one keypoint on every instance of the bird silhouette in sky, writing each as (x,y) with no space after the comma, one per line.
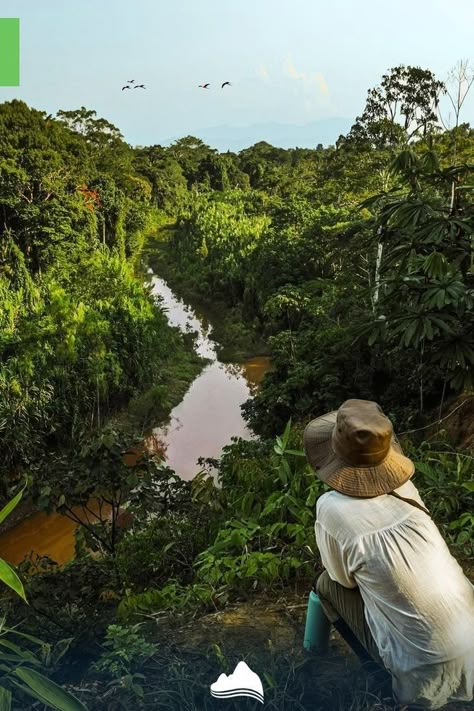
(204,86)
(129,83)
(226,83)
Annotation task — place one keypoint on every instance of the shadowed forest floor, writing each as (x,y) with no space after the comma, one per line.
(269,637)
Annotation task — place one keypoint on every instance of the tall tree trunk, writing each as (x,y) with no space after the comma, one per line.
(378,263)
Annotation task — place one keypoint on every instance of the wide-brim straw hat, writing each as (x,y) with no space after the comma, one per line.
(355,451)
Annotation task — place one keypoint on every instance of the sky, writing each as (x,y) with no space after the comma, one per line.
(289,61)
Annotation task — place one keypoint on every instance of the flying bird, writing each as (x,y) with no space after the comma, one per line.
(130,81)
(204,86)
(140,86)
(126,87)
(226,83)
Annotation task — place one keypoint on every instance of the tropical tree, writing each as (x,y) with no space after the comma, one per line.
(403,106)
(426,288)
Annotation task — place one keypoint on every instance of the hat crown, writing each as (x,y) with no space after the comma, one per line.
(355,451)
(363,434)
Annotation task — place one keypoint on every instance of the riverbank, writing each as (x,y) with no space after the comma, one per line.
(235,337)
(143,411)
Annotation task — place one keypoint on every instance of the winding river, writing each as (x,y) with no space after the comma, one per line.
(200,426)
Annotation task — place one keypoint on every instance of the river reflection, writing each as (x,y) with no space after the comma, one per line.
(209,414)
(45,534)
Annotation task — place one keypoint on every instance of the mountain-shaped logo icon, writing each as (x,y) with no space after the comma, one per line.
(242,682)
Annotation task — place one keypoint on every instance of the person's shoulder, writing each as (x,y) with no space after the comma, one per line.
(327,496)
(334,514)
(330,502)
(409,490)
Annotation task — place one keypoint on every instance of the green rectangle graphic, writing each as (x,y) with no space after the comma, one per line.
(9,51)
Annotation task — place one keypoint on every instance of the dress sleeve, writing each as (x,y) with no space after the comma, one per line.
(334,557)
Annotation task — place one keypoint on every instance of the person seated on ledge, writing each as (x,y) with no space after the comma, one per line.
(390,584)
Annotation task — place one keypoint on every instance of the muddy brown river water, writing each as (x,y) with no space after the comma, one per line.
(200,426)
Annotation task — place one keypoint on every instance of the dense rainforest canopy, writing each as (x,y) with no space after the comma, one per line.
(354,262)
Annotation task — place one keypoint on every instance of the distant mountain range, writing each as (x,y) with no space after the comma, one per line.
(281,135)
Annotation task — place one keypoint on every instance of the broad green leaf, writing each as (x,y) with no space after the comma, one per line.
(463,537)
(5,699)
(6,657)
(21,653)
(286,433)
(8,508)
(469,485)
(435,265)
(48,692)
(409,333)
(26,636)
(10,578)
(284,471)
(373,336)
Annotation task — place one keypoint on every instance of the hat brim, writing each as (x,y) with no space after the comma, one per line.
(361,481)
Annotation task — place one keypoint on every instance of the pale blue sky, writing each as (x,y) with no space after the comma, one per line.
(290,61)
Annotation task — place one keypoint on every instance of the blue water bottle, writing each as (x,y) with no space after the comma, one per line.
(316,632)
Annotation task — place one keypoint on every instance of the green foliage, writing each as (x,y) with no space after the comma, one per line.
(221,237)
(173,599)
(447,482)
(105,479)
(19,665)
(79,332)
(46,691)
(261,534)
(402,106)
(269,538)
(463,528)
(74,602)
(125,648)
(425,293)
(7,574)
(164,548)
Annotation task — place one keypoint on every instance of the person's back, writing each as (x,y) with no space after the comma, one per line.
(391,586)
(419,606)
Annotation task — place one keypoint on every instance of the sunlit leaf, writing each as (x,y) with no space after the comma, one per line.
(10,578)
(8,508)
